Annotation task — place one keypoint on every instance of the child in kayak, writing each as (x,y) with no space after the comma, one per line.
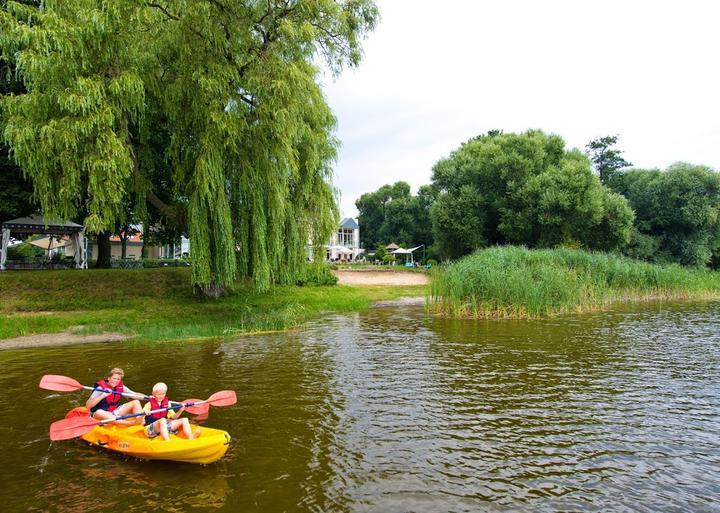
(165,422)
(106,405)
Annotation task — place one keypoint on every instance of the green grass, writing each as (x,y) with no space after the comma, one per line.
(522,283)
(159,304)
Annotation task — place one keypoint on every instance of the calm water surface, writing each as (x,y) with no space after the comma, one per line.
(392,410)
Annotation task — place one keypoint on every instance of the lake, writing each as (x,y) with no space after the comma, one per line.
(393,410)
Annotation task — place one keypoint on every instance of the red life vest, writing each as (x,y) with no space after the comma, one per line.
(154,405)
(111,402)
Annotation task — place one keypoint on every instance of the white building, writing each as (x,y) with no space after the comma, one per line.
(345,243)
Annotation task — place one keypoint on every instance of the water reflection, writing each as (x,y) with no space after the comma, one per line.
(93,480)
(392,410)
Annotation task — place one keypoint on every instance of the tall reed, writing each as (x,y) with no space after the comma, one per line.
(512,281)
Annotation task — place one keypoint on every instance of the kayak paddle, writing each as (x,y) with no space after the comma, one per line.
(73,427)
(65,384)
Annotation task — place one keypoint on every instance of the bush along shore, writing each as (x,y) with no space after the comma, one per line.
(516,282)
(159,304)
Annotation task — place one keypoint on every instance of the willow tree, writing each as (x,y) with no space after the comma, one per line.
(249,147)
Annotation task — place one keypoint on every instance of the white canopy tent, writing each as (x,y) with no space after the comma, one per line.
(403,251)
(341,249)
(25,226)
(51,243)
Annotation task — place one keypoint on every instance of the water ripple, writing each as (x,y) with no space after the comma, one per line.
(392,410)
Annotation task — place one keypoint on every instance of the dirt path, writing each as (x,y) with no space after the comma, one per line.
(361,277)
(59,339)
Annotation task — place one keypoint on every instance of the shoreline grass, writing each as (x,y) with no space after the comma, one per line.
(516,282)
(159,304)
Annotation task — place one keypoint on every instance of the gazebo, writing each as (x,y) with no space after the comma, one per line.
(24,226)
(403,251)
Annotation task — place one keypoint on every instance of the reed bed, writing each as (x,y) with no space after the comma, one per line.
(516,282)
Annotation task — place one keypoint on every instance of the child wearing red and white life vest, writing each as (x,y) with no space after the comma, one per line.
(106,405)
(165,422)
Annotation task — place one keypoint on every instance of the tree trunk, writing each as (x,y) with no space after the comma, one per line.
(144,248)
(123,239)
(103,256)
(212,290)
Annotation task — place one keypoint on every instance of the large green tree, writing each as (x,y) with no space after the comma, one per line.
(607,160)
(393,214)
(249,133)
(677,214)
(15,188)
(523,189)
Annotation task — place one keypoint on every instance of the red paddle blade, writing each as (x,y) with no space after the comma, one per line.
(199,409)
(70,428)
(222,398)
(59,383)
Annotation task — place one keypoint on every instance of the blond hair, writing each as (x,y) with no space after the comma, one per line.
(116,370)
(159,387)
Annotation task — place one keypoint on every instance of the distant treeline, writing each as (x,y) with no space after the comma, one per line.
(527,189)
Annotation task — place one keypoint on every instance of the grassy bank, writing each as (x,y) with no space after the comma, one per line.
(518,282)
(158,304)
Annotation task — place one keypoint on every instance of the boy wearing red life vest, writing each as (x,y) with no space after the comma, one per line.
(164,422)
(106,405)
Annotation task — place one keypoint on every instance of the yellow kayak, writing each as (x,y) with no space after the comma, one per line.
(209,445)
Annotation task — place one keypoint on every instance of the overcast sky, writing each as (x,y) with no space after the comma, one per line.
(437,73)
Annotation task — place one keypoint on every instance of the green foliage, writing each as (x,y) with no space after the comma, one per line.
(316,274)
(677,213)
(392,214)
(15,188)
(459,221)
(24,251)
(162,306)
(381,252)
(247,140)
(151,263)
(69,132)
(606,161)
(523,189)
(515,281)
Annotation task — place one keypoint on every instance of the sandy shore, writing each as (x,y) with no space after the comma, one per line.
(357,278)
(362,277)
(59,339)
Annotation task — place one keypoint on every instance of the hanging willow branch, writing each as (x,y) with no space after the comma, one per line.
(247,144)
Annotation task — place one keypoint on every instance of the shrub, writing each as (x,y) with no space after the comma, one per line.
(315,274)
(165,262)
(24,251)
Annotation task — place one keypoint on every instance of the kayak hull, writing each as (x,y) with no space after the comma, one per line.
(209,445)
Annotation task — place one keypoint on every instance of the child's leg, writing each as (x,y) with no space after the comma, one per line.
(131,407)
(103,415)
(183,424)
(164,429)
(106,415)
